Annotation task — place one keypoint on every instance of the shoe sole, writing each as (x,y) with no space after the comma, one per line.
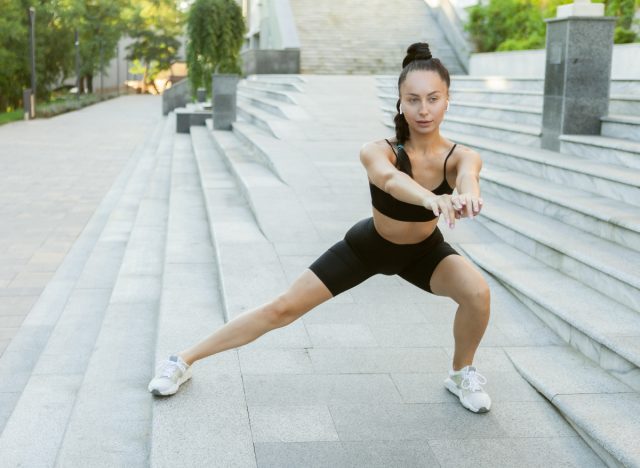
(176,386)
(453,388)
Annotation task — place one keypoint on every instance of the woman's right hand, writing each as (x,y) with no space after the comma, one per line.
(445,205)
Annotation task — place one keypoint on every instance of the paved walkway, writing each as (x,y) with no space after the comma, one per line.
(53,174)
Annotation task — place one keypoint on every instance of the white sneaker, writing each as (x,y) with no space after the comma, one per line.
(465,384)
(170,374)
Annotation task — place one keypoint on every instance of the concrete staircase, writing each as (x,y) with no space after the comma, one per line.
(366,37)
(569,229)
(203,226)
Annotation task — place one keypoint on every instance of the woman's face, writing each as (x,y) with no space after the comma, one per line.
(423,100)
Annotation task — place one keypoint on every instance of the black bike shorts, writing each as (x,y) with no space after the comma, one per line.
(364,252)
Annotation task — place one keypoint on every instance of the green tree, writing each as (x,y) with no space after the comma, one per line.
(13,41)
(100,26)
(155,27)
(519,24)
(52,57)
(215,30)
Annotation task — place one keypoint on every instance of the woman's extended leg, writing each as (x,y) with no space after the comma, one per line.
(458,279)
(306,292)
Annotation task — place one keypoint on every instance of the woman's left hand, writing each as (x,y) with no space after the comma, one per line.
(466,205)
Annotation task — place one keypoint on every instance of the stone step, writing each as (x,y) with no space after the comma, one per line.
(258,90)
(624,106)
(191,309)
(620,104)
(80,402)
(258,117)
(618,183)
(284,86)
(500,83)
(83,264)
(275,78)
(625,87)
(520,97)
(249,270)
(111,418)
(517,134)
(603,330)
(277,108)
(583,210)
(524,115)
(621,126)
(281,159)
(496,83)
(614,151)
(576,253)
(600,408)
(274,203)
(338,39)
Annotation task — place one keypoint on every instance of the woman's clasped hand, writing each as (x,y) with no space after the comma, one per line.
(464,205)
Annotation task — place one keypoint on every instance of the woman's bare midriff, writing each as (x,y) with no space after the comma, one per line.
(402,232)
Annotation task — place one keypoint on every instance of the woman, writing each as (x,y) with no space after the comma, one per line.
(402,236)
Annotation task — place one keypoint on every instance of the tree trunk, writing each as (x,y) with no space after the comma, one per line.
(90,83)
(144,78)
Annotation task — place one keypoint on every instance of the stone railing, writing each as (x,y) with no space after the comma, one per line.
(453,29)
(177,96)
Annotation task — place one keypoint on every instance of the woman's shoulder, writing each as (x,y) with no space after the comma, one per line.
(382,146)
(383,143)
(464,152)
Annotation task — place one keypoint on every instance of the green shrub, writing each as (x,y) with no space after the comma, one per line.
(519,24)
(215,30)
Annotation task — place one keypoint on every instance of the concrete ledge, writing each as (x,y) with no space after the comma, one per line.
(618,223)
(185,118)
(597,405)
(578,254)
(616,151)
(619,183)
(574,313)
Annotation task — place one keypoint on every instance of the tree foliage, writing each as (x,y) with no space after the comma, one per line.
(215,30)
(100,26)
(52,61)
(155,26)
(519,24)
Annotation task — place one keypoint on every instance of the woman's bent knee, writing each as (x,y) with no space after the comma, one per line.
(478,296)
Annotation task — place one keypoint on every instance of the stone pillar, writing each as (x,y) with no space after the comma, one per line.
(201,94)
(578,71)
(224,100)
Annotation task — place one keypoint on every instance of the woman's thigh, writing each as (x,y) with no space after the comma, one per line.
(306,292)
(456,277)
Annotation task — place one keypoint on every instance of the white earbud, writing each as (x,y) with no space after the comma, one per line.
(447,105)
(400,107)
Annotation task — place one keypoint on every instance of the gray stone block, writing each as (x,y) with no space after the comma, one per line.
(378,360)
(373,454)
(303,423)
(310,389)
(413,422)
(185,118)
(505,452)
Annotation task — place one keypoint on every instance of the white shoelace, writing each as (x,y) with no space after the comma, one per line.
(473,379)
(168,368)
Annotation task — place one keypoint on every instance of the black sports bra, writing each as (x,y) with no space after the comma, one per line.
(403,211)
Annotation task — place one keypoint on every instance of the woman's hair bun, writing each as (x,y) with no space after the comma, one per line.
(417,51)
